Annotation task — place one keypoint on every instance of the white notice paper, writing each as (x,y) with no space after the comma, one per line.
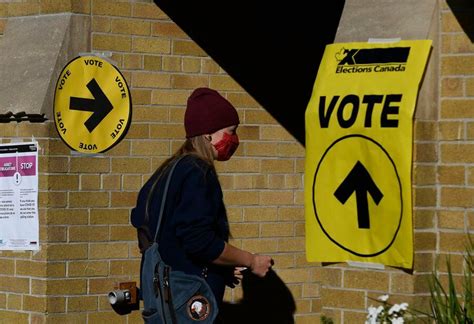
(19,224)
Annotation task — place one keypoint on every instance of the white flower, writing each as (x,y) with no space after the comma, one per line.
(398,320)
(397,307)
(383,298)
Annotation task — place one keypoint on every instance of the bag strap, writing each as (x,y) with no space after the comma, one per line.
(163,199)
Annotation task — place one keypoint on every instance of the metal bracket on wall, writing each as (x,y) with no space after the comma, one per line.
(22,116)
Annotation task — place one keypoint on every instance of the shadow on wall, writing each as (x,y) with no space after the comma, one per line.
(463,10)
(265,300)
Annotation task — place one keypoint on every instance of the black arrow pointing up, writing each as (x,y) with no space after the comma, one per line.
(100,105)
(360,181)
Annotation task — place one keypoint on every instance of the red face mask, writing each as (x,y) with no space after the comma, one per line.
(226,146)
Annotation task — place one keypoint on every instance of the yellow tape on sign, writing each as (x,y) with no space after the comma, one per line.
(92,105)
(359,137)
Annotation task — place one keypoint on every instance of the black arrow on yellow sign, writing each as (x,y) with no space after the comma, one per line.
(360,181)
(100,105)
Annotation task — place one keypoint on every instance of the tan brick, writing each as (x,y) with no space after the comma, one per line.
(259,214)
(242,230)
(185,47)
(90,165)
(130,27)
(54,6)
(470,87)
(7,267)
(13,284)
(8,130)
(152,63)
(52,199)
(13,317)
(63,182)
(425,152)
(244,181)
(30,268)
(90,182)
(169,97)
(275,133)
(100,285)
(14,302)
(189,81)
(294,275)
(285,260)
(101,24)
(147,10)
(66,216)
(291,244)
(23,9)
(107,42)
(88,233)
(172,63)
(452,87)
(278,166)
(106,317)
(88,268)
(123,233)
(354,317)
(67,318)
(457,108)
(108,251)
(109,216)
(123,199)
(209,66)
(457,197)
(258,117)
(56,234)
(150,80)
(34,303)
(457,43)
(111,8)
(457,65)
(124,267)
(130,165)
(67,251)
(132,61)
(132,181)
(424,197)
(54,269)
(451,219)
(290,150)
(89,199)
(239,165)
(424,241)
(423,219)
(449,23)
(290,213)
(370,280)
(167,29)
(308,318)
(67,286)
(423,262)
(276,197)
(141,97)
(150,45)
(260,245)
(191,65)
(141,114)
(139,131)
(82,304)
(452,242)
(424,174)
(451,130)
(277,229)
(81,6)
(3,301)
(241,197)
(342,299)
(448,174)
(223,83)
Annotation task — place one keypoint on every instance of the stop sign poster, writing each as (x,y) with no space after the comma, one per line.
(359,138)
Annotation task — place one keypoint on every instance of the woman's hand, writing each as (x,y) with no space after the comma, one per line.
(261,264)
(238,276)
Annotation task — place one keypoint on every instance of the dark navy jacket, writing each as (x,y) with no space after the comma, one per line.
(194,226)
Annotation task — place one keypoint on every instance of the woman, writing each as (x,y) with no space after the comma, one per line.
(194,233)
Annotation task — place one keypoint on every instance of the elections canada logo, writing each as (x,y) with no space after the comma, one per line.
(198,308)
(367,60)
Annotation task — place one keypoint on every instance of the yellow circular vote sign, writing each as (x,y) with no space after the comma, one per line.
(92,105)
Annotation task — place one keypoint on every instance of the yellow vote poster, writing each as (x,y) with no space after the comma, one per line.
(359,143)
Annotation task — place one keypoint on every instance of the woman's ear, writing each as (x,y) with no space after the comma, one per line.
(208,137)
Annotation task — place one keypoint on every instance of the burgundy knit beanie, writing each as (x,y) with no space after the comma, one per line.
(207,111)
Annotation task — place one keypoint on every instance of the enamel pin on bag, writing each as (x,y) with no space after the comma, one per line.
(169,296)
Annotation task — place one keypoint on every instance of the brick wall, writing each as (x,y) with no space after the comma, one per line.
(88,243)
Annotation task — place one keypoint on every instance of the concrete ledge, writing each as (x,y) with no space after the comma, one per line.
(33,52)
(407,19)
